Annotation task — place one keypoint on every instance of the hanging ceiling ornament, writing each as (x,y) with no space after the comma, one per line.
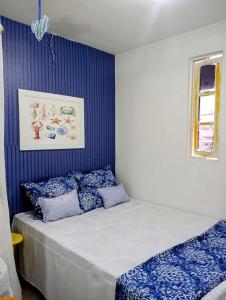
(39,27)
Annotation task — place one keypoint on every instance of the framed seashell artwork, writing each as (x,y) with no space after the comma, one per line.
(50,121)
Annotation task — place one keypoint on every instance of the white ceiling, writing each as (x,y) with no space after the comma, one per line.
(118,25)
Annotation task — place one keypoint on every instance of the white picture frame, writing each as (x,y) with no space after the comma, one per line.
(50,121)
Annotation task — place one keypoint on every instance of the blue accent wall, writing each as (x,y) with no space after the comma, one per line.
(56,65)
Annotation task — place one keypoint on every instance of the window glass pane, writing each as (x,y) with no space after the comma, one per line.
(206,108)
(206,138)
(207,77)
(206,105)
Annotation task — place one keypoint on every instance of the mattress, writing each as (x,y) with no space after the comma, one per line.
(80,258)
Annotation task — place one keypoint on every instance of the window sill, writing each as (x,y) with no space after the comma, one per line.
(205,157)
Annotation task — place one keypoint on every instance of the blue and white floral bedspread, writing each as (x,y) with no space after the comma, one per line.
(187,271)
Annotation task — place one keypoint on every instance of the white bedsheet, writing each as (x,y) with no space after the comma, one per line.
(80,258)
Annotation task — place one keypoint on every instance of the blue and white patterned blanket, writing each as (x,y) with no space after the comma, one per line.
(187,271)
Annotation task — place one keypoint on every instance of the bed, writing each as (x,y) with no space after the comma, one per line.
(81,257)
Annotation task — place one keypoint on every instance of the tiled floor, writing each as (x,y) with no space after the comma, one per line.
(29,292)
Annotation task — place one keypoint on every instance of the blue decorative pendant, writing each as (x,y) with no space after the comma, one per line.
(39,27)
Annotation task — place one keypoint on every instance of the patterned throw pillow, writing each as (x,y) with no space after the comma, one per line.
(89,199)
(89,183)
(50,188)
(76,175)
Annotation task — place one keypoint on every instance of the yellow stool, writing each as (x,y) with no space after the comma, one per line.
(7,298)
(17,238)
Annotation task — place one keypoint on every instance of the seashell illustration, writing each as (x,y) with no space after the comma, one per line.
(73,127)
(73,137)
(35,105)
(67,110)
(52,136)
(50,128)
(62,130)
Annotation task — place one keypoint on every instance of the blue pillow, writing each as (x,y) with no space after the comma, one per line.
(63,206)
(76,175)
(89,199)
(89,183)
(113,195)
(48,189)
(98,178)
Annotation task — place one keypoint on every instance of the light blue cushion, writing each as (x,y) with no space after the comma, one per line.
(50,188)
(113,195)
(63,206)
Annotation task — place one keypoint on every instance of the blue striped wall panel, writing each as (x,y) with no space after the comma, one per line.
(56,65)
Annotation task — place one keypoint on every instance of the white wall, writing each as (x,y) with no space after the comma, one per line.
(153,119)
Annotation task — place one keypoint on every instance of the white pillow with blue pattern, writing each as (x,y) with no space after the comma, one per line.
(50,188)
(88,184)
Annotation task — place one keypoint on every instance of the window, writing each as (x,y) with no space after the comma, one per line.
(206,106)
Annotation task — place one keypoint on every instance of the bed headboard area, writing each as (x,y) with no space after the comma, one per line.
(59,66)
